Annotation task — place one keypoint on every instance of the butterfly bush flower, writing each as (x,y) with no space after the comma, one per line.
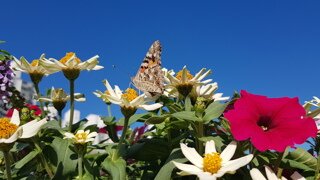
(6,78)
(10,129)
(71,65)
(213,165)
(257,175)
(130,99)
(81,136)
(184,81)
(270,123)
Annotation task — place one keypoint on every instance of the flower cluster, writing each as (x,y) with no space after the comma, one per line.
(6,80)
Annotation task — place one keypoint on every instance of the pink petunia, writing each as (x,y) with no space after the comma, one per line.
(270,123)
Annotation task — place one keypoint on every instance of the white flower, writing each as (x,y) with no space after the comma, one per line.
(257,175)
(31,68)
(11,129)
(184,82)
(208,91)
(59,95)
(71,61)
(213,165)
(130,98)
(94,119)
(81,137)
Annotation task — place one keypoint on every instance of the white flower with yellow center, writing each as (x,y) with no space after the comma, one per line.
(129,99)
(213,165)
(10,129)
(34,67)
(81,136)
(208,91)
(71,61)
(257,175)
(59,95)
(184,82)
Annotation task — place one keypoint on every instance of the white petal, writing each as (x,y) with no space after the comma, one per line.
(93,134)
(31,128)
(15,119)
(192,155)
(151,107)
(206,176)
(210,147)
(256,174)
(109,88)
(270,174)
(68,135)
(80,131)
(229,151)
(191,169)
(297,176)
(138,100)
(234,165)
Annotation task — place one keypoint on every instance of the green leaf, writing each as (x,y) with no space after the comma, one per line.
(187,105)
(166,170)
(66,159)
(156,119)
(149,150)
(115,165)
(2,57)
(301,159)
(186,115)
(213,111)
(26,159)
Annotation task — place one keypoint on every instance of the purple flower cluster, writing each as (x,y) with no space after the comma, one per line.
(6,80)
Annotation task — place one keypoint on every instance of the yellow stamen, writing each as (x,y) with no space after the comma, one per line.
(35,63)
(7,128)
(212,163)
(130,94)
(81,137)
(179,75)
(106,92)
(68,56)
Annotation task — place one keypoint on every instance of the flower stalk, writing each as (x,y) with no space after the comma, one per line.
(71,81)
(43,159)
(7,162)
(36,86)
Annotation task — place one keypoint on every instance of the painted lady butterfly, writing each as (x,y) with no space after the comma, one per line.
(149,77)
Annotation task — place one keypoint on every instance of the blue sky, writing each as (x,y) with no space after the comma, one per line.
(265,47)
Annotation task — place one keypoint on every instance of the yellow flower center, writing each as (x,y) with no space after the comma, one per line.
(179,75)
(212,163)
(81,137)
(7,128)
(130,94)
(35,63)
(106,92)
(67,57)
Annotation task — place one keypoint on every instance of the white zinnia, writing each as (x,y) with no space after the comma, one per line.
(27,130)
(116,96)
(31,68)
(199,164)
(257,175)
(81,136)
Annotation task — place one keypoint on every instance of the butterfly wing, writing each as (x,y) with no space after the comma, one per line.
(149,77)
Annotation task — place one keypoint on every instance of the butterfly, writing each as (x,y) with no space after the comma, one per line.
(149,77)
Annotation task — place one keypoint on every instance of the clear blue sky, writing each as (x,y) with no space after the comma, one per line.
(266,47)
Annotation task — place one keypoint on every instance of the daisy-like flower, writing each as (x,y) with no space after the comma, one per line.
(71,65)
(184,82)
(257,175)
(129,99)
(213,165)
(81,136)
(35,70)
(208,92)
(10,129)
(59,98)
(270,123)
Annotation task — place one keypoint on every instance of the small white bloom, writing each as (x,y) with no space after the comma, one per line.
(213,165)
(257,175)
(130,98)
(208,91)
(59,95)
(81,136)
(31,68)
(11,129)
(71,61)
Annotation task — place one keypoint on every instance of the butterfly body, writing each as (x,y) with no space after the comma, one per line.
(149,77)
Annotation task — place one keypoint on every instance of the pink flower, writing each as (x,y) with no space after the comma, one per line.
(270,123)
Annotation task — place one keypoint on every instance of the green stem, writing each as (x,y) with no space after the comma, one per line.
(124,131)
(318,166)
(8,164)
(71,104)
(109,110)
(43,159)
(36,86)
(80,163)
(60,117)
(200,134)
(278,162)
